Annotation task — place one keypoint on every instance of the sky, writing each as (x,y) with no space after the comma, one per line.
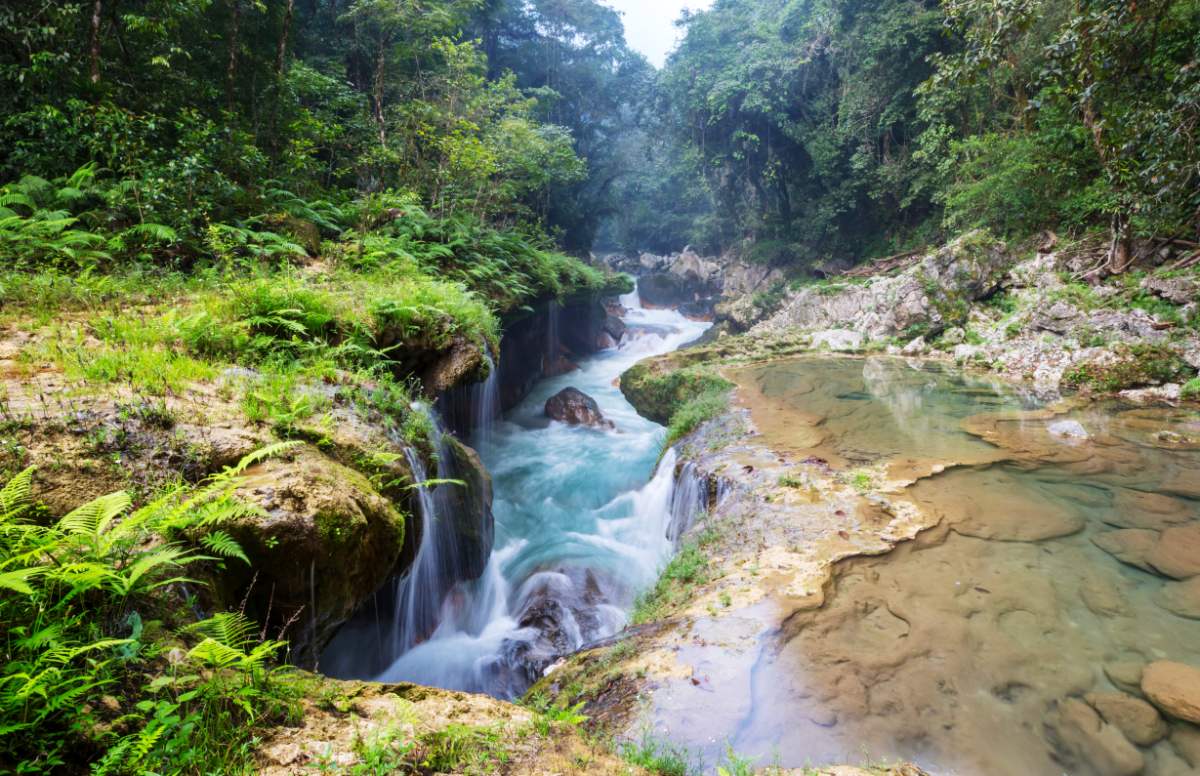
(650,24)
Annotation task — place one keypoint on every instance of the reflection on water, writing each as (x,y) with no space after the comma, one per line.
(1057,571)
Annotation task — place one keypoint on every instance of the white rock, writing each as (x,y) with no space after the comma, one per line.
(836,339)
(915,348)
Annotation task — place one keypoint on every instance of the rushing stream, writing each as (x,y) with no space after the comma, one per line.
(582,525)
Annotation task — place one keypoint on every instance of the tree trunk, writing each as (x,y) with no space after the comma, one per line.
(378,93)
(97,11)
(1120,252)
(283,38)
(231,67)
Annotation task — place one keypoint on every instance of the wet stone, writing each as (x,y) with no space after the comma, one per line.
(1129,545)
(1125,674)
(1177,553)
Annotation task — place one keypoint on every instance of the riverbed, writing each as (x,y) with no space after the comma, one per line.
(1007,637)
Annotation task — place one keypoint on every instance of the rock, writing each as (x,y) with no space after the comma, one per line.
(954,336)
(1128,545)
(573,406)
(1177,553)
(325,538)
(1139,721)
(614,327)
(970,268)
(1125,674)
(1068,429)
(915,347)
(1181,598)
(1083,736)
(469,509)
(1156,511)
(664,290)
(1185,740)
(1158,393)
(1181,289)
(836,340)
(1174,688)
(1102,597)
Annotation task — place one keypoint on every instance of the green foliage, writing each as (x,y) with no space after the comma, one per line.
(695,411)
(1191,390)
(81,596)
(659,757)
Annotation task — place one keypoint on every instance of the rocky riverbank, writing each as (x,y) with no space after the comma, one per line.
(1035,314)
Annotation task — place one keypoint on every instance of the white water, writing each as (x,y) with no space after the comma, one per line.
(577,522)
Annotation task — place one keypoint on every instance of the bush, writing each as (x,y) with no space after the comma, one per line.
(87,674)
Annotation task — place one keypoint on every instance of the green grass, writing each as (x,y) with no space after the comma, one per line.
(1191,390)
(688,569)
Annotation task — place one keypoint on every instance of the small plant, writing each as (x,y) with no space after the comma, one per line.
(689,568)
(659,757)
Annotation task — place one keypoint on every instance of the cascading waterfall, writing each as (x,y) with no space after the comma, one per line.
(689,501)
(581,528)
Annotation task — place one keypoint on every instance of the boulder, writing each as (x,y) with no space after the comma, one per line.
(1139,721)
(1067,429)
(1174,688)
(663,289)
(1083,737)
(573,406)
(321,542)
(915,347)
(1181,598)
(1181,289)
(1177,553)
(614,327)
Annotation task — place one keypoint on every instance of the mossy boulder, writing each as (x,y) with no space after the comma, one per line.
(658,388)
(322,541)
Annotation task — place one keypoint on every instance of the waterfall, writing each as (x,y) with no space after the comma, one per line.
(689,500)
(553,348)
(485,403)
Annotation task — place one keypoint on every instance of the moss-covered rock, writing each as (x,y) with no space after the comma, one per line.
(657,389)
(323,540)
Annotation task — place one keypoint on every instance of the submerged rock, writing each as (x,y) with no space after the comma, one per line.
(1181,598)
(573,406)
(1083,736)
(1174,688)
(1128,545)
(1139,721)
(1083,733)
(1177,553)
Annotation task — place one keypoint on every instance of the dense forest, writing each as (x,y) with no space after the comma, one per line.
(313,207)
(792,131)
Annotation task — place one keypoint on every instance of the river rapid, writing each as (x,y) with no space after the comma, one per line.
(582,517)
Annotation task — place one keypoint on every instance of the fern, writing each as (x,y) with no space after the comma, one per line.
(222,544)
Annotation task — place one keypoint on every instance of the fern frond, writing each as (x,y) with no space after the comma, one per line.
(94,517)
(222,544)
(16,496)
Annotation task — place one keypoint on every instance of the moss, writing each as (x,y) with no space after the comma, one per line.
(1191,390)
(658,390)
(1129,367)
